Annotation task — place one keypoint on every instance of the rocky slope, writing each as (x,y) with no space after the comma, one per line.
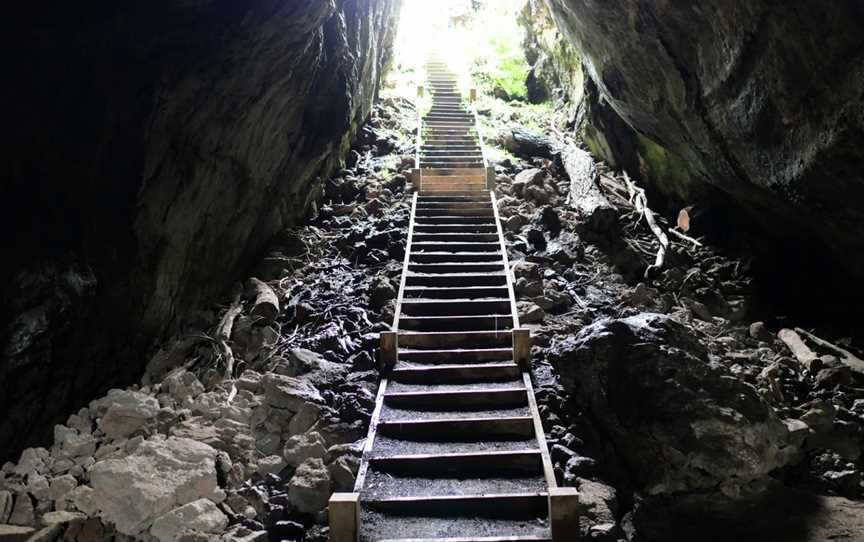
(151,153)
(752,108)
(201,451)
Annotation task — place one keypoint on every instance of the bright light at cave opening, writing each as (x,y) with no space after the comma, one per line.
(459,30)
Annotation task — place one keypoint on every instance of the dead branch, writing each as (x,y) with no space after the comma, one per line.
(224,329)
(266,302)
(801,351)
(640,201)
(684,237)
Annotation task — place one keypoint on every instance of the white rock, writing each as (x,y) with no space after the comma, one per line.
(126,412)
(38,485)
(6,502)
(54,518)
(183,385)
(288,392)
(198,516)
(22,512)
(299,448)
(304,419)
(84,499)
(309,489)
(62,486)
(31,461)
(271,464)
(160,475)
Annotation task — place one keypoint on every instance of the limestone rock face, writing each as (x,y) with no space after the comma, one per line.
(158,476)
(681,423)
(758,99)
(157,149)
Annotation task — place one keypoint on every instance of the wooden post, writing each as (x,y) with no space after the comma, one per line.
(490,177)
(344,514)
(420,91)
(563,514)
(472,95)
(522,347)
(416,179)
(389,346)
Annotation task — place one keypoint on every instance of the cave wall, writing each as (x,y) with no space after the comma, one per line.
(151,151)
(757,101)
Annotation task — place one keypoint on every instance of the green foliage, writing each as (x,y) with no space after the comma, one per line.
(507,69)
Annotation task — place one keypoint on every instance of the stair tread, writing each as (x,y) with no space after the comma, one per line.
(381,527)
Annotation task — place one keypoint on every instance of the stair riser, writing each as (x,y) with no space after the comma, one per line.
(451,341)
(485,465)
(460,430)
(452,375)
(473,308)
(455,323)
(459,401)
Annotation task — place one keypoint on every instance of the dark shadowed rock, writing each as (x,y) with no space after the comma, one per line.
(192,132)
(680,422)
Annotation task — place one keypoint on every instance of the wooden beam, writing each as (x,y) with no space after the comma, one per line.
(389,348)
(344,515)
(522,347)
(564,514)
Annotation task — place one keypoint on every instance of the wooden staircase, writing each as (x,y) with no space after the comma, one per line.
(455,450)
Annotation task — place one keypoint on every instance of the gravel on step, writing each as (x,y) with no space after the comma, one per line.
(508,384)
(377,526)
(383,485)
(388,414)
(386,446)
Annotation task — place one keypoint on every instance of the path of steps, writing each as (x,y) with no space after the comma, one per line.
(455,450)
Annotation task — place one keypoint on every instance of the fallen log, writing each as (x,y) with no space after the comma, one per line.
(266,302)
(806,357)
(585,194)
(223,333)
(528,144)
(846,357)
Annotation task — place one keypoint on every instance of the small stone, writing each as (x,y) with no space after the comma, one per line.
(201,515)
(381,292)
(600,500)
(56,518)
(22,512)
(30,461)
(62,486)
(6,502)
(820,416)
(536,194)
(304,419)
(309,489)
(530,313)
(127,411)
(273,464)
(343,472)
(84,499)
(514,223)
(527,270)
(759,332)
(299,448)
(38,486)
(531,176)
(288,392)
(830,378)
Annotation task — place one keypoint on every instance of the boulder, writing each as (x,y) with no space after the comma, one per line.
(288,393)
(680,422)
(157,477)
(126,411)
(309,489)
(22,512)
(200,516)
(299,448)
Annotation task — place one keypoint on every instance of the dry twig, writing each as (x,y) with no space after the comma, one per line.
(640,201)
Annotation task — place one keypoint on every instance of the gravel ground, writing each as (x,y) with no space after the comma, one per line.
(378,526)
(510,384)
(385,446)
(388,413)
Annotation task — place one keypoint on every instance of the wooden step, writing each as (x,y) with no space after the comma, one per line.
(448,356)
(453,228)
(461,219)
(482,399)
(459,429)
(460,294)
(431,256)
(448,340)
(468,267)
(454,373)
(491,463)
(457,323)
(457,279)
(457,237)
(504,505)
(469,211)
(455,307)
